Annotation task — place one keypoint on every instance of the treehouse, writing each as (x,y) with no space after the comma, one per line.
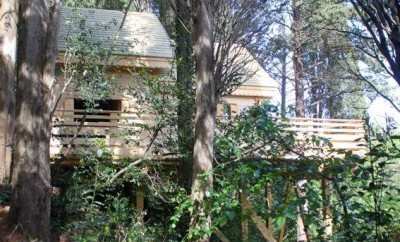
(143,44)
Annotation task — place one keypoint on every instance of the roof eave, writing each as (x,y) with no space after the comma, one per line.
(128,60)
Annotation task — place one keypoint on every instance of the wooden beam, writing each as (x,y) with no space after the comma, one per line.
(259,222)
(221,236)
(140,200)
(244,222)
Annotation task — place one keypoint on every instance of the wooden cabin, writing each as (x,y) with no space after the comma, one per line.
(143,43)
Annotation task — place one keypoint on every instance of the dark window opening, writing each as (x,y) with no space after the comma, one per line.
(101,109)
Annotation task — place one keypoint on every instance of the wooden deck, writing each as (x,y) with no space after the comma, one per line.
(342,134)
(75,129)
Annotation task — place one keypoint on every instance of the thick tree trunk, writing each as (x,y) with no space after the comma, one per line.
(184,53)
(8,47)
(30,202)
(203,151)
(176,18)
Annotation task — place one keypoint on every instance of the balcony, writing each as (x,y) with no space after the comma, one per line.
(75,129)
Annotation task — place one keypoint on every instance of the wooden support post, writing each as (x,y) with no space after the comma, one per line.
(140,200)
(244,221)
(2,151)
(258,220)
(221,236)
(269,203)
(282,231)
(326,209)
(302,228)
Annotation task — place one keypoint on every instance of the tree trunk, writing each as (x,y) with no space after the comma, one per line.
(299,106)
(297,58)
(203,151)
(30,202)
(184,53)
(176,18)
(326,209)
(302,228)
(8,47)
(283,86)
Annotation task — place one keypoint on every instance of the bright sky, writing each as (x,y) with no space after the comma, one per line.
(380,109)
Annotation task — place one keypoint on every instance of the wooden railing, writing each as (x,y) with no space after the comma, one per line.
(76,128)
(343,134)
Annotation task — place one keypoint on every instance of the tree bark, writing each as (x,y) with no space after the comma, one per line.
(327,219)
(8,52)
(30,202)
(184,53)
(299,105)
(176,18)
(297,58)
(283,86)
(203,152)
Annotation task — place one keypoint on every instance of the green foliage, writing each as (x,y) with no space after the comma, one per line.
(85,65)
(5,195)
(155,96)
(370,194)
(364,197)
(99,202)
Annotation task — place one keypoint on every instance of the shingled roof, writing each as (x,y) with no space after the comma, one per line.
(142,34)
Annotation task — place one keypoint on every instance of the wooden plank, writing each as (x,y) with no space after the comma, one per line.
(221,236)
(110,141)
(94,111)
(140,200)
(259,222)
(100,124)
(336,125)
(327,119)
(322,130)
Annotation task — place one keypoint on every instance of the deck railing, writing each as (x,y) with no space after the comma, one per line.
(75,127)
(343,134)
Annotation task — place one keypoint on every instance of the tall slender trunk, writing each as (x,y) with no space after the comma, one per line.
(283,86)
(300,105)
(8,58)
(203,152)
(297,58)
(30,202)
(326,189)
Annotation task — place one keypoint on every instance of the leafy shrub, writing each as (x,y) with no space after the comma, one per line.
(99,210)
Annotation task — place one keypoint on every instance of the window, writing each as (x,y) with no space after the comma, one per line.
(103,108)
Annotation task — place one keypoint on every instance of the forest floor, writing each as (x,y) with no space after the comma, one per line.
(11,234)
(7,233)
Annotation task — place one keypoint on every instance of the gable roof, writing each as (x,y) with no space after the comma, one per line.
(142,34)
